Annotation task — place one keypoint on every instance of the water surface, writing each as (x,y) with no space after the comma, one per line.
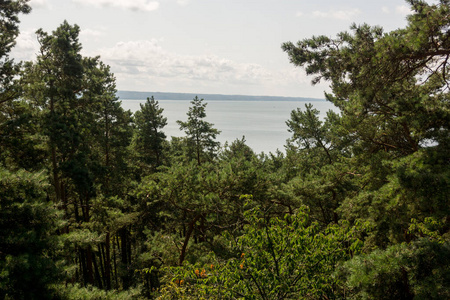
(263,123)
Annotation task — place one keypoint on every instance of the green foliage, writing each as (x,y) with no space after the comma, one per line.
(430,228)
(111,130)
(16,130)
(201,135)
(318,163)
(9,25)
(149,140)
(388,86)
(27,242)
(274,259)
(86,135)
(357,207)
(77,292)
(389,160)
(401,195)
(405,271)
(21,144)
(54,85)
(322,142)
(290,257)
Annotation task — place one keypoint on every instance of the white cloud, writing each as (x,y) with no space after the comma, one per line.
(320,14)
(299,14)
(338,14)
(26,47)
(145,65)
(183,2)
(143,5)
(90,33)
(399,9)
(385,10)
(403,10)
(35,4)
(149,58)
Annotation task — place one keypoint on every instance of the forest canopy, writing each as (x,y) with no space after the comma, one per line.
(98,203)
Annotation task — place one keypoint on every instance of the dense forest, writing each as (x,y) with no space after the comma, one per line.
(98,203)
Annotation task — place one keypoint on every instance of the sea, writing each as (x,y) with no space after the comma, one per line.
(261,123)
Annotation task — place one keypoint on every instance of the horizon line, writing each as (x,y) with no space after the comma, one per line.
(215,95)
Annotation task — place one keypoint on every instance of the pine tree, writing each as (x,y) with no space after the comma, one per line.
(28,246)
(393,93)
(16,130)
(149,138)
(200,134)
(87,135)
(9,11)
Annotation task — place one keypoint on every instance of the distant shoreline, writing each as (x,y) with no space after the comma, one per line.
(132,95)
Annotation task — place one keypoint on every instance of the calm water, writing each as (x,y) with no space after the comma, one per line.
(263,123)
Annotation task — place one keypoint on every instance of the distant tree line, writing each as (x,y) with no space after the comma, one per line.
(98,203)
(132,95)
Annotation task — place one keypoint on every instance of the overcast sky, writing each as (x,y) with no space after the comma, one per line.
(204,46)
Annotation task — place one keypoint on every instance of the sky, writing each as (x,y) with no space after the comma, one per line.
(204,46)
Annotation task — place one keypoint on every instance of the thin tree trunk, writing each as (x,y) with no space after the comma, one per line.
(202,230)
(198,151)
(124,256)
(84,266)
(107,257)
(186,239)
(101,262)
(53,154)
(107,150)
(55,174)
(96,271)
(90,270)
(89,259)
(115,246)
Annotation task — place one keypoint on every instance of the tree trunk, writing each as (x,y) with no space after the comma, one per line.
(83,266)
(101,262)
(55,174)
(107,258)
(89,268)
(115,246)
(197,141)
(53,154)
(107,150)
(124,256)
(96,271)
(186,239)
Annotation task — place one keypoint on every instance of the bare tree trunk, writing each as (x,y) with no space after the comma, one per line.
(124,255)
(89,268)
(115,246)
(186,239)
(96,271)
(101,262)
(107,258)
